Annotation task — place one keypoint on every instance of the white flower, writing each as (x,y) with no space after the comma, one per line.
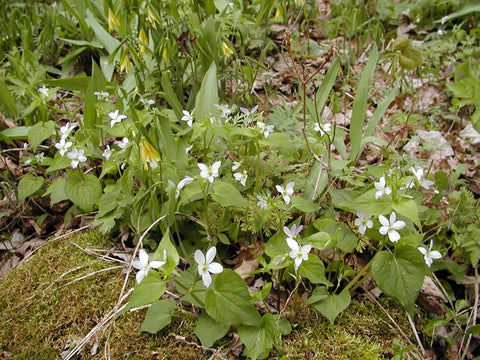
(123,144)
(298,253)
(293,232)
(444,20)
(241,176)
(429,254)
(188,117)
(286,192)
(188,148)
(65,130)
(115,118)
(181,184)
(40,157)
(44,91)
(107,153)
(262,203)
(265,130)
(382,189)
(147,102)
(440,32)
(77,157)
(224,110)
(423,182)
(63,146)
(206,266)
(363,222)
(101,95)
(144,266)
(249,113)
(236,165)
(323,128)
(209,172)
(390,227)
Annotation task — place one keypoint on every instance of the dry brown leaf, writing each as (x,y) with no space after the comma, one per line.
(247,262)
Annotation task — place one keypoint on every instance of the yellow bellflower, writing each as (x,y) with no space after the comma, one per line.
(148,154)
(227,51)
(142,36)
(125,63)
(152,17)
(112,20)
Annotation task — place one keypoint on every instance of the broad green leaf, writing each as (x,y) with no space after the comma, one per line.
(407,208)
(208,330)
(400,275)
(277,245)
(57,192)
(207,96)
(77,83)
(227,195)
(368,204)
(333,305)
(314,270)
(328,81)
(7,99)
(158,316)
(467,9)
(167,247)
(378,114)
(320,240)
(259,340)
(59,163)
(84,190)
(304,205)
(150,289)
(229,301)
(320,293)
(96,83)
(29,185)
(346,239)
(107,40)
(15,133)
(40,132)
(360,106)
(170,95)
(262,294)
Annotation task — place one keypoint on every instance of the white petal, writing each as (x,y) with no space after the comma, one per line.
(393,217)
(398,225)
(383,230)
(361,229)
(202,167)
(358,222)
(215,268)
(206,278)
(279,189)
(216,166)
(292,244)
(393,236)
(383,220)
(298,261)
(422,250)
(435,254)
(286,230)
(156,264)
(143,256)
(199,257)
(305,250)
(138,264)
(369,224)
(140,275)
(428,260)
(211,254)
(388,190)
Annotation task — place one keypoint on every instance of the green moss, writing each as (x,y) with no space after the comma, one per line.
(40,318)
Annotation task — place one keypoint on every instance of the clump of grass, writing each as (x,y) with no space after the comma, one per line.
(40,318)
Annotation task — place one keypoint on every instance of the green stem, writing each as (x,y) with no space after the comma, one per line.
(360,273)
(190,291)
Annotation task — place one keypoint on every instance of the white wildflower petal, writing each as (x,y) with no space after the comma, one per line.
(422,250)
(210,254)
(393,235)
(143,256)
(156,264)
(199,257)
(141,275)
(292,244)
(305,250)
(215,268)
(206,278)
(383,220)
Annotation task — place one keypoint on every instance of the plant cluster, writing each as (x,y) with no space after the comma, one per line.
(160,136)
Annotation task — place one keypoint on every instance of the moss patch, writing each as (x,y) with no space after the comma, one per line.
(42,315)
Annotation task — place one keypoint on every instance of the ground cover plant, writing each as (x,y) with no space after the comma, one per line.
(271,156)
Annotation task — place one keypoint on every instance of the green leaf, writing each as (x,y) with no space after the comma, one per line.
(57,192)
(320,240)
(277,245)
(304,205)
(84,190)
(360,106)
(7,99)
(229,301)
(96,83)
(158,316)
(207,96)
(150,289)
(326,86)
(314,270)
(258,340)
(40,132)
(407,208)
(107,40)
(320,293)
(227,195)
(333,305)
(186,281)
(15,133)
(77,83)
(170,95)
(400,275)
(171,251)
(29,185)
(209,330)
(368,204)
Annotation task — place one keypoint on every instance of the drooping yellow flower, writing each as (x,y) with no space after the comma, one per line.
(165,55)
(125,63)
(142,36)
(278,15)
(112,20)
(152,17)
(227,51)
(148,154)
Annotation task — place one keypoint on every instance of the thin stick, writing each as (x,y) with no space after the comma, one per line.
(414,329)
(475,312)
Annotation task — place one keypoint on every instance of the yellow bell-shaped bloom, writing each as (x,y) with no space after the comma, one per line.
(227,51)
(125,63)
(152,18)
(112,20)
(142,36)
(148,154)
